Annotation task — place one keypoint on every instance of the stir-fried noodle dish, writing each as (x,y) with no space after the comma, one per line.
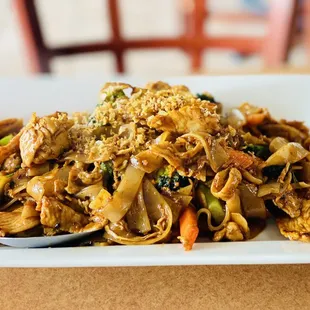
(155,165)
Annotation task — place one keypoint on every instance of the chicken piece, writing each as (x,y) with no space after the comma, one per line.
(11,125)
(48,231)
(45,138)
(297,228)
(188,119)
(55,214)
(12,163)
(254,115)
(11,148)
(13,222)
(219,235)
(157,86)
(180,89)
(290,203)
(231,232)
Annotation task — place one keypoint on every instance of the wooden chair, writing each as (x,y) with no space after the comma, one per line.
(274,47)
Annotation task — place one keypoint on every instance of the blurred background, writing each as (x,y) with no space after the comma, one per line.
(153,37)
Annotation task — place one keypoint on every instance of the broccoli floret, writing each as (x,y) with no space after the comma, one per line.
(111,96)
(108,175)
(178,181)
(118,93)
(272,172)
(167,177)
(261,151)
(206,96)
(163,178)
(210,98)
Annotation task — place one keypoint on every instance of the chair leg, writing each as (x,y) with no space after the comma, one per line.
(306,28)
(37,53)
(281,26)
(117,38)
(199,19)
(194,12)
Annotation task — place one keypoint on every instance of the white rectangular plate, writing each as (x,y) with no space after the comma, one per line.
(285,96)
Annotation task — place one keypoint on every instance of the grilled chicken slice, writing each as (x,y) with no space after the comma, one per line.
(55,214)
(45,138)
(188,119)
(297,228)
(12,163)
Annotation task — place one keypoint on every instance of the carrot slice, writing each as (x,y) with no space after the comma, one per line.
(188,228)
(240,159)
(255,119)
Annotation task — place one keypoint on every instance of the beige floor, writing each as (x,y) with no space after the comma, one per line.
(86,20)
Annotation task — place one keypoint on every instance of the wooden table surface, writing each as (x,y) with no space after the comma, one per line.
(197,287)
(191,287)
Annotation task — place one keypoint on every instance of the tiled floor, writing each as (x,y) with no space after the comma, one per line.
(81,20)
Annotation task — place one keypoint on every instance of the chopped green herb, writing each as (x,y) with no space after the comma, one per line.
(295,180)
(108,175)
(261,151)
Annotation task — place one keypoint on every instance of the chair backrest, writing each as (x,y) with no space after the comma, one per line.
(193,41)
